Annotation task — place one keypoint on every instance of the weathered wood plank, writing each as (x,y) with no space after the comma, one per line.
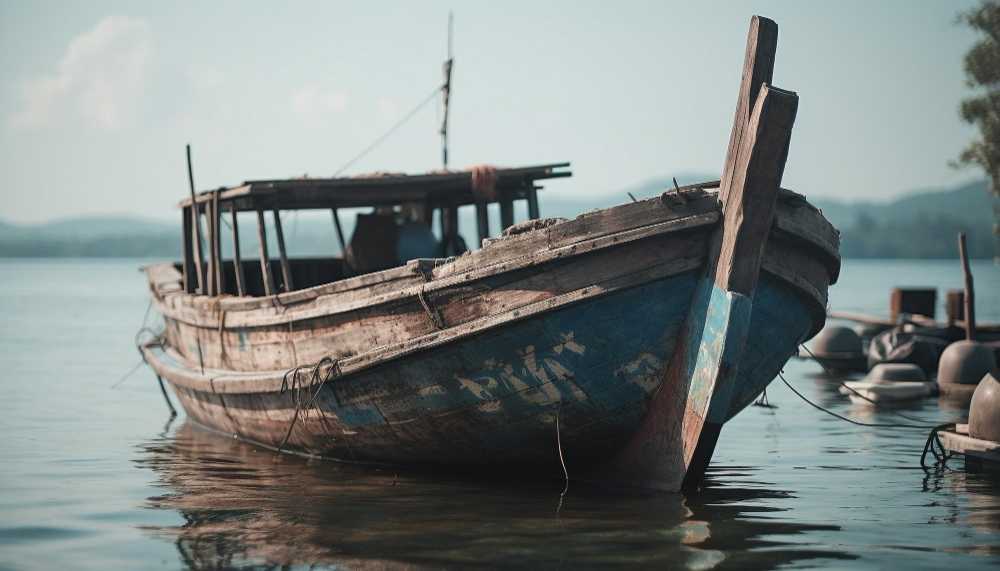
(340,232)
(482,221)
(241,279)
(198,259)
(265,259)
(506,211)
(533,213)
(286,274)
(220,273)
(188,264)
(748,208)
(970,299)
(210,229)
(758,68)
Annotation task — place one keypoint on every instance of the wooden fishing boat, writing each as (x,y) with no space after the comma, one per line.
(613,346)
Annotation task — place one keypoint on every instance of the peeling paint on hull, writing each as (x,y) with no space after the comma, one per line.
(491,400)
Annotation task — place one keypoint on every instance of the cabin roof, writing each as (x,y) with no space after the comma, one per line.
(453,188)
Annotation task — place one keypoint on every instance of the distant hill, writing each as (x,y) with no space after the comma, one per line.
(918,225)
(87,237)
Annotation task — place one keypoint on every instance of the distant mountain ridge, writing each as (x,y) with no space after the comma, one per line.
(917,225)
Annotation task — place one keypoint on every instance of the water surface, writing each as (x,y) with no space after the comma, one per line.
(94,477)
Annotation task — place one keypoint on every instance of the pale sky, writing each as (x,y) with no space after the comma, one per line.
(97,99)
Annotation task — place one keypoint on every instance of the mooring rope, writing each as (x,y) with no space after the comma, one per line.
(143,328)
(843,384)
(941,458)
(831,413)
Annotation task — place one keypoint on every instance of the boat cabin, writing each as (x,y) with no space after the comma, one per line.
(398,228)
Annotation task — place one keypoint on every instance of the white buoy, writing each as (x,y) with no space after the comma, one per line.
(889,383)
(984,412)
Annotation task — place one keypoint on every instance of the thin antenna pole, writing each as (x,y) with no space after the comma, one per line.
(446,91)
(196,212)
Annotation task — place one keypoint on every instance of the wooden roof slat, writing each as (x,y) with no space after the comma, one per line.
(323,193)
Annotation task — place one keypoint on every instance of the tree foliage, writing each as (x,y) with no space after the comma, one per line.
(982,72)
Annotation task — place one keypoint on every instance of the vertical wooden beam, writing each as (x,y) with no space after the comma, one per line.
(220,270)
(188,263)
(758,69)
(482,221)
(340,232)
(748,208)
(506,211)
(672,448)
(452,223)
(210,280)
(196,216)
(265,259)
(533,203)
(241,279)
(449,230)
(286,274)
(970,296)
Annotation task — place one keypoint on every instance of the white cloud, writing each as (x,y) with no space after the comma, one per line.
(313,107)
(100,78)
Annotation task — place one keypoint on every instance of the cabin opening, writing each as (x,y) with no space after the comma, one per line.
(377,222)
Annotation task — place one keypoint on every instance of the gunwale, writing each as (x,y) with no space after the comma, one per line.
(505,255)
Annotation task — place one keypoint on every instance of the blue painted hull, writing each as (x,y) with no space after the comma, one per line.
(492,400)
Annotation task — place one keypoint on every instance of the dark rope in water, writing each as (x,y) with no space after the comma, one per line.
(843,384)
(941,458)
(831,413)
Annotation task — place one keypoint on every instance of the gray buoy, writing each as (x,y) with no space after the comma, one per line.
(898,372)
(837,342)
(984,412)
(965,363)
(839,348)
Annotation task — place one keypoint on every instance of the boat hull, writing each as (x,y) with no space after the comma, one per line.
(602,341)
(492,400)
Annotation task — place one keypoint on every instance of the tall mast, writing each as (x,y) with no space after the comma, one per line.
(446,90)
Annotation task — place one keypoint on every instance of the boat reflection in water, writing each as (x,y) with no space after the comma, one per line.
(243,507)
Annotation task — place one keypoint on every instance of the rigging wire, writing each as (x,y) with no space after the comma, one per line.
(391,130)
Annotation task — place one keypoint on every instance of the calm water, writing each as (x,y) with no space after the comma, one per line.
(92,477)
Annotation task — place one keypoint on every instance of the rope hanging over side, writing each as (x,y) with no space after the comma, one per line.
(297,382)
(562,461)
